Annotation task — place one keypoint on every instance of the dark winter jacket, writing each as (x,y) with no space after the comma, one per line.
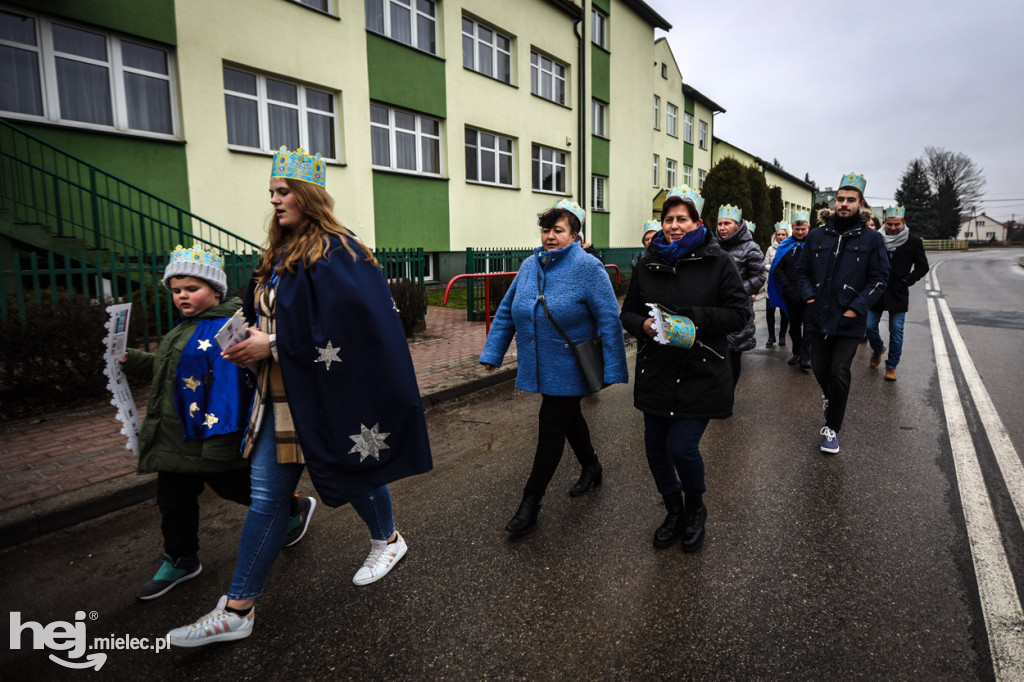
(749,260)
(841,272)
(785,271)
(907,265)
(690,383)
(162,446)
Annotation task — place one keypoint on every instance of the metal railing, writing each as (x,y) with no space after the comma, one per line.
(41,184)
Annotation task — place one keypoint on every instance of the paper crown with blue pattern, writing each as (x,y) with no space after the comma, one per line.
(652,225)
(751,225)
(689,195)
(801,217)
(782,225)
(204,264)
(574,208)
(298,165)
(731,212)
(896,212)
(854,180)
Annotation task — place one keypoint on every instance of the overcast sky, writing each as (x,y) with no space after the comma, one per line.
(832,87)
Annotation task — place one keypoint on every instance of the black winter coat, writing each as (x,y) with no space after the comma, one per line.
(749,260)
(841,272)
(690,383)
(785,272)
(907,265)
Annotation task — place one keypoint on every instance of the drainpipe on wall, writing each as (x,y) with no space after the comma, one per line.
(582,115)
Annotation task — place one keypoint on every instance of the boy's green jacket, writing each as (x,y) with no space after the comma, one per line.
(162,446)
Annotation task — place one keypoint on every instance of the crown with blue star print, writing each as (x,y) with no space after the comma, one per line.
(298,165)
(574,208)
(652,225)
(751,226)
(782,225)
(801,216)
(730,212)
(854,181)
(896,212)
(689,195)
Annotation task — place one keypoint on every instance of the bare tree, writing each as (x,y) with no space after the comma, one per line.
(954,171)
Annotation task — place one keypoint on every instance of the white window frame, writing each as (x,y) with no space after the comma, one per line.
(46,56)
(415,13)
(263,116)
(306,3)
(702,134)
(990,235)
(599,28)
(559,160)
(493,45)
(688,175)
(599,118)
(702,175)
(687,127)
(657,163)
(498,155)
(670,172)
(420,135)
(672,119)
(556,74)
(657,113)
(599,193)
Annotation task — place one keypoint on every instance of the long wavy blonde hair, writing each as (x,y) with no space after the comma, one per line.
(308,241)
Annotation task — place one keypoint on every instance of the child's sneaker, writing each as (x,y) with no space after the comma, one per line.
(383,556)
(216,626)
(171,574)
(298,524)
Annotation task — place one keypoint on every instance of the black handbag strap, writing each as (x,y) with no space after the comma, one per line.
(547,312)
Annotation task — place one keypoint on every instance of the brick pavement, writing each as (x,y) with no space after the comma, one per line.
(72,450)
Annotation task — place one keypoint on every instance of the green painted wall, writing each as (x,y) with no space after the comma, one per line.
(600,74)
(688,106)
(600,152)
(688,153)
(154,21)
(157,167)
(405,77)
(599,229)
(603,5)
(410,211)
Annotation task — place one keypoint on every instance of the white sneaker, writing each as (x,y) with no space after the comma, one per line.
(382,558)
(216,626)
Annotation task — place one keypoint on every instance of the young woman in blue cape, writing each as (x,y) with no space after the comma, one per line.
(336,390)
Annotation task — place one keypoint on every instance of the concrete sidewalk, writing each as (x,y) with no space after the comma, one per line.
(70,466)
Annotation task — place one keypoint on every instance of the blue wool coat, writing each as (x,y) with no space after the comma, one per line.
(580,297)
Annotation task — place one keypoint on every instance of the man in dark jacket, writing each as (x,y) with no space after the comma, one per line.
(843,271)
(907,265)
(784,273)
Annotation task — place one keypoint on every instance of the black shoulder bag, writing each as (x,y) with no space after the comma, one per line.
(589,353)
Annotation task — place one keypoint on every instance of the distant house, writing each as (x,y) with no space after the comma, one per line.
(982,228)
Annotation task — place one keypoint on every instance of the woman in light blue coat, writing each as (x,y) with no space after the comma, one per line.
(580,298)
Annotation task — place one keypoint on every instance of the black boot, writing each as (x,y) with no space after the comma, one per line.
(526,516)
(589,477)
(669,531)
(693,533)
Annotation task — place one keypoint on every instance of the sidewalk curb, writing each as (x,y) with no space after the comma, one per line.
(38,518)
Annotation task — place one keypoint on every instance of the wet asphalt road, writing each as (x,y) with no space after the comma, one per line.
(815,567)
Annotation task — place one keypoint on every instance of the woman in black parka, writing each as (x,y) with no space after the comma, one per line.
(686,272)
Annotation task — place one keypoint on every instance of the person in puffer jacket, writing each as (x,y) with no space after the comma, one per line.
(843,271)
(737,240)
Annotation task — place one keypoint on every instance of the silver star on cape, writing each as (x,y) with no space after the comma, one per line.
(369,442)
(328,355)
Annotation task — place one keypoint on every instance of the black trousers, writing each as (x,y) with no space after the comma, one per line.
(769,314)
(177,495)
(560,419)
(736,359)
(831,357)
(801,344)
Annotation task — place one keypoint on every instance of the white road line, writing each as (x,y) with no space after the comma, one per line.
(1006,455)
(1000,604)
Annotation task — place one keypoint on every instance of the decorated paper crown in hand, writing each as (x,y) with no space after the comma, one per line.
(298,165)
(672,330)
(207,265)
(782,225)
(801,217)
(731,212)
(896,212)
(689,195)
(574,208)
(855,181)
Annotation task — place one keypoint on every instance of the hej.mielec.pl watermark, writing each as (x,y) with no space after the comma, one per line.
(71,638)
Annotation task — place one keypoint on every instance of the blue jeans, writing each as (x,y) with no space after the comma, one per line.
(895,336)
(673,448)
(266,524)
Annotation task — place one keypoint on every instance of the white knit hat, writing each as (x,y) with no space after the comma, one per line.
(200,263)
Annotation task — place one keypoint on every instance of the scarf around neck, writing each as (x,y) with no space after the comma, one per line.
(670,254)
(897,240)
